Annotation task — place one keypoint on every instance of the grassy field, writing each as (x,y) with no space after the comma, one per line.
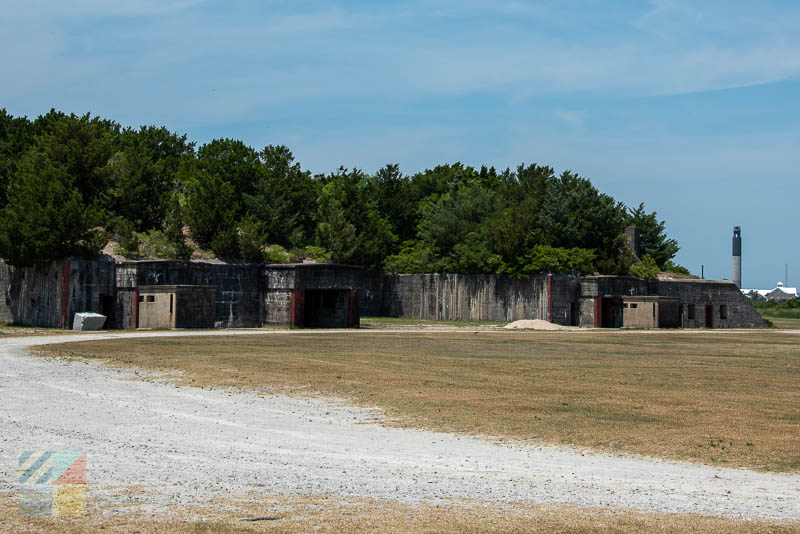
(391,322)
(784,322)
(327,515)
(720,398)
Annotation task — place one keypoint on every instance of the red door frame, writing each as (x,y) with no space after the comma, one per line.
(65,293)
(598,312)
(297,319)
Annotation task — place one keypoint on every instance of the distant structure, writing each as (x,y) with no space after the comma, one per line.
(633,241)
(780,292)
(736,278)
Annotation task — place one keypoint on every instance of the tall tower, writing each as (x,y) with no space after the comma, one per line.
(737,256)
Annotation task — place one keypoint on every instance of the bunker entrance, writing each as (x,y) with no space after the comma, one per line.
(325,308)
(107,309)
(709,316)
(611,312)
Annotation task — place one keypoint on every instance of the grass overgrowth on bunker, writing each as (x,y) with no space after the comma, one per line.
(720,398)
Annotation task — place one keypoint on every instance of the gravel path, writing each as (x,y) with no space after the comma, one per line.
(183,445)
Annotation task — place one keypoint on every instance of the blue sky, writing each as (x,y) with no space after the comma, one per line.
(689,107)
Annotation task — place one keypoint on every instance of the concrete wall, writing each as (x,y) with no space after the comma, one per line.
(251,295)
(728,307)
(639,313)
(738,312)
(281,280)
(650,312)
(50,295)
(563,300)
(277,307)
(471,297)
(614,286)
(371,294)
(325,308)
(669,313)
(239,287)
(176,306)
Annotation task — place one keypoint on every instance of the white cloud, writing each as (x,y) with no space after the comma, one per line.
(295,53)
(573,117)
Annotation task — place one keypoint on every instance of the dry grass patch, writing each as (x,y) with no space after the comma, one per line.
(9,330)
(329,515)
(786,323)
(718,398)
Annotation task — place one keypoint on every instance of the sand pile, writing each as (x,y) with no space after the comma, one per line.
(535,324)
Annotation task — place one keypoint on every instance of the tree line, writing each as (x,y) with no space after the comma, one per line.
(70,183)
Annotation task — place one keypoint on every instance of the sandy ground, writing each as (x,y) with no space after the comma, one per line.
(183,445)
(536,324)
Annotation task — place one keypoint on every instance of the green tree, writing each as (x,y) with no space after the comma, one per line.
(173,229)
(144,174)
(284,198)
(233,162)
(349,222)
(413,257)
(576,214)
(16,136)
(56,194)
(46,217)
(210,209)
(517,227)
(653,238)
(334,231)
(396,202)
(252,239)
(82,147)
(454,226)
(544,258)
(647,268)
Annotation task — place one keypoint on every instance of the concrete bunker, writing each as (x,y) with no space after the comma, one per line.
(174,306)
(312,295)
(219,294)
(325,308)
(650,312)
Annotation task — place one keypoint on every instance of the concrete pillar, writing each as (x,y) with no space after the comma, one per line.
(65,293)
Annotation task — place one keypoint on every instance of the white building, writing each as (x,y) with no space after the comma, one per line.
(779,293)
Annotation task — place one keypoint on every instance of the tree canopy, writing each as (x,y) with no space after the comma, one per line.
(68,183)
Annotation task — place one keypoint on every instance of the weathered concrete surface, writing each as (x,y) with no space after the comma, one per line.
(176,306)
(50,295)
(464,297)
(238,287)
(183,446)
(739,313)
(325,290)
(728,307)
(252,295)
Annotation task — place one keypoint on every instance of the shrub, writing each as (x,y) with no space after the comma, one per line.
(646,269)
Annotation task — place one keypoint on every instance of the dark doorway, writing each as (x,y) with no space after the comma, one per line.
(325,308)
(709,316)
(573,314)
(612,312)
(107,309)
